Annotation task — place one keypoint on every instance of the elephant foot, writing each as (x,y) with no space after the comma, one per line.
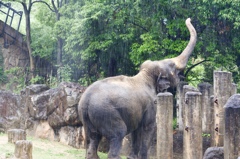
(132,157)
(92,156)
(117,157)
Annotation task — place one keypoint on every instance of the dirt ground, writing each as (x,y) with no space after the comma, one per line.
(44,149)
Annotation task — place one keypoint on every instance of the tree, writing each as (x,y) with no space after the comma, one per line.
(55,7)
(27,6)
(99,38)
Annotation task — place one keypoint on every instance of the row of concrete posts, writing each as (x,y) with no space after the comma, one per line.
(23,147)
(208,110)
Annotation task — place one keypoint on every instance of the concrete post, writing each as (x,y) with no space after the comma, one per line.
(164,119)
(180,100)
(23,149)
(222,92)
(192,134)
(186,88)
(232,127)
(207,108)
(234,88)
(16,134)
(212,131)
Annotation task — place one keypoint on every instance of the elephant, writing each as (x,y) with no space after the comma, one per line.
(117,106)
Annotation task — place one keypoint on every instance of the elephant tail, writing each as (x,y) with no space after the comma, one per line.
(88,126)
(85,120)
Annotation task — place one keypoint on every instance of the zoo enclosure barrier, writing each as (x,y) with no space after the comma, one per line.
(208,110)
(9,34)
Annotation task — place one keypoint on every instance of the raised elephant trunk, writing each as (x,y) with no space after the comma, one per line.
(182,59)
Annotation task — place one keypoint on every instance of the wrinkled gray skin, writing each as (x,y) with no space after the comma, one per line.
(116,106)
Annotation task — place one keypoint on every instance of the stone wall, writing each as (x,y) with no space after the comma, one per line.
(16,54)
(18,39)
(45,113)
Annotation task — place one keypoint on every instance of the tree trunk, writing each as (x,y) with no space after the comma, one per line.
(56,5)
(28,37)
(59,53)
(59,43)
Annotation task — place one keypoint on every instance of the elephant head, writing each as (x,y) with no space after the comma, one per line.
(167,71)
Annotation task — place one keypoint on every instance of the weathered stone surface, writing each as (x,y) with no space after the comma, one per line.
(164,118)
(43,105)
(36,89)
(207,107)
(44,112)
(73,136)
(222,86)
(232,131)
(233,101)
(15,55)
(56,120)
(23,149)
(71,116)
(11,111)
(73,91)
(40,129)
(214,153)
(16,134)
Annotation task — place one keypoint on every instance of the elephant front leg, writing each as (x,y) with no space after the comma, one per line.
(147,136)
(136,142)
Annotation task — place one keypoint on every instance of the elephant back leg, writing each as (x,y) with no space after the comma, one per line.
(115,135)
(93,145)
(115,144)
(109,123)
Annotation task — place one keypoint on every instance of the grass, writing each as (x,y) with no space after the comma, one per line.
(45,149)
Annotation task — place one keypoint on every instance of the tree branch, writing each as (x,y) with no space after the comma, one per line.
(40,1)
(138,26)
(54,6)
(190,68)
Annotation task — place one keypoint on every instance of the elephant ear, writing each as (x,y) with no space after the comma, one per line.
(163,83)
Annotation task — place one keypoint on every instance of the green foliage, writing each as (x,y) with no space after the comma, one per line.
(52,82)
(206,135)
(37,80)
(148,49)
(175,124)
(197,74)
(3,77)
(43,42)
(16,78)
(65,73)
(107,38)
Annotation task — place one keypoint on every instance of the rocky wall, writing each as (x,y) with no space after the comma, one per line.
(44,112)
